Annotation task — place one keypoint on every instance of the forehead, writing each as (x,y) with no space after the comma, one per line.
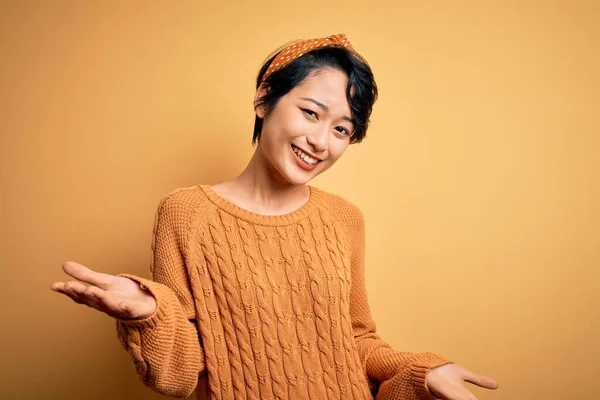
(327,86)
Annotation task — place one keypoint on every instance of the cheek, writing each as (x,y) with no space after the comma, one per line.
(285,126)
(337,148)
(276,137)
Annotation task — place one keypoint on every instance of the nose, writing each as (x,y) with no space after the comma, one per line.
(318,139)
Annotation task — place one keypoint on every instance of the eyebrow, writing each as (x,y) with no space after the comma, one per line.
(325,108)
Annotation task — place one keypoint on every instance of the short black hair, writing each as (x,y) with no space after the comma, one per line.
(360,80)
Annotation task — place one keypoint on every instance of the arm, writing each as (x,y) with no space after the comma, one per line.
(165,347)
(402,374)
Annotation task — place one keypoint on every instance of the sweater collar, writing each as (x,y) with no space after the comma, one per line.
(261,219)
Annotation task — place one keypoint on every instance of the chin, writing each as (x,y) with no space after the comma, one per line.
(298,179)
(296,176)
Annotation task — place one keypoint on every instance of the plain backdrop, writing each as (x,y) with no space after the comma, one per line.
(479,177)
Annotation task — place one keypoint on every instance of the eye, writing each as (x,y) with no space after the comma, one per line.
(310,113)
(343,130)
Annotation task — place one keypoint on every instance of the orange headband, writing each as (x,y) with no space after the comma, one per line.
(301,47)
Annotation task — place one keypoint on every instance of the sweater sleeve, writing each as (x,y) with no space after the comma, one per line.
(165,347)
(401,375)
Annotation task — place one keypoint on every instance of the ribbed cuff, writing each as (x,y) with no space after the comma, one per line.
(160,293)
(419,370)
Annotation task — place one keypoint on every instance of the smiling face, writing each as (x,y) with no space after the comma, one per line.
(309,128)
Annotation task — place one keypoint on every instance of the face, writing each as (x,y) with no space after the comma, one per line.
(309,129)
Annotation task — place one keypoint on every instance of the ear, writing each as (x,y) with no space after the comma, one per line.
(260,110)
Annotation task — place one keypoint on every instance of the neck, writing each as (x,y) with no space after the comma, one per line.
(263,187)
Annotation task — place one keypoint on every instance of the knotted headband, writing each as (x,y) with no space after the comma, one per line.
(298,48)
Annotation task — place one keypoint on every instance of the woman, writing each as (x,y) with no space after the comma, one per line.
(257,287)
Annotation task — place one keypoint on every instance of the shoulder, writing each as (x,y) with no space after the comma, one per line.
(181,200)
(177,208)
(345,212)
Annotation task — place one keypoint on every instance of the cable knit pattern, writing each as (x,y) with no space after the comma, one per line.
(256,307)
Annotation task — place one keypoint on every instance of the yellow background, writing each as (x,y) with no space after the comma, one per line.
(479,177)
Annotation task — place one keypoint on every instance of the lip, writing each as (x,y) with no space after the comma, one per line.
(303,164)
(308,153)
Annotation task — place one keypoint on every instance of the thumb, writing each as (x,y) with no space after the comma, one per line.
(125,310)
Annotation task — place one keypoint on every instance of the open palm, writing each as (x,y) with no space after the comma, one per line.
(116,296)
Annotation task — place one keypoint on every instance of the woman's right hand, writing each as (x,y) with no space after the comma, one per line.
(116,296)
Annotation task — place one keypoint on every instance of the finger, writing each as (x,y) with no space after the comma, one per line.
(479,380)
(81,292)
(60,288)
(92,296)
(95,298)
(84,274)
(75,298)
(75,287)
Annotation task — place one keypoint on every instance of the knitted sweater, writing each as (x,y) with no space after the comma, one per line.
(252,306)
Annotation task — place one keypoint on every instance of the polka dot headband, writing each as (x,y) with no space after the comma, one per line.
(301,47)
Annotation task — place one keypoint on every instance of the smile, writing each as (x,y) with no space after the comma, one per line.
(305,157)
(304,160)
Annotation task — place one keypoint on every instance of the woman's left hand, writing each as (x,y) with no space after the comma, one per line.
(446,382)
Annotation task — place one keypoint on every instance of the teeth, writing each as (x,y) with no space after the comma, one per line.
(304,156)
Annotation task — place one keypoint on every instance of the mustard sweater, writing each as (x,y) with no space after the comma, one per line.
(264,307)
